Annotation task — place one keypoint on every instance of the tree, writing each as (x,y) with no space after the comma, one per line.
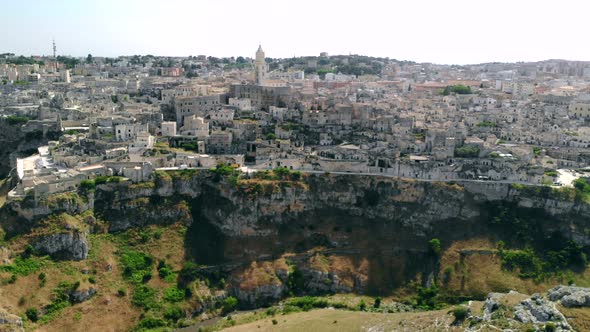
(240,60)
(89,59)
(230,304)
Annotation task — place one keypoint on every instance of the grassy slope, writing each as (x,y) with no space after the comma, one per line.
(341,320)
(106,311)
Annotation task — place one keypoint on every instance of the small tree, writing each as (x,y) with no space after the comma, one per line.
(32,314)
(230,304)
(377,303)
(362,305)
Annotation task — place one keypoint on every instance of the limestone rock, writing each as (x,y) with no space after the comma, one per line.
(261,295)
(81,295)
(70,246)
(570,296)
(10,322)
(536,310)
(491,304)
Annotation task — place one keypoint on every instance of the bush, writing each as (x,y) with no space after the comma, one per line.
(550,327)
(308,302)
(377,302)
(274,322)
(173,313)
(42,276)
(92,280)
(460,314)
(427,297)
(121,292)
(173,294)
(32,314)
(16,120)
(362,305)
(467,151)
(107,179)
(144,296)
(229,304)
(136,265)
(151,323)
(434,247)
(87,185)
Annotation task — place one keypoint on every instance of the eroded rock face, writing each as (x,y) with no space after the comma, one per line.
(491,304)
(570,296)
(261,295)
(10,322)
(69,246)
(536,310)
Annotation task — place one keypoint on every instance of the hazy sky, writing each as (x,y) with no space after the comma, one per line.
(441,31)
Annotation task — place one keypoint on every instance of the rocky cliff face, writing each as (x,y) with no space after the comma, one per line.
(70,246)
(337,233)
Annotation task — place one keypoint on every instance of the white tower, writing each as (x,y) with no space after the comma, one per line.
(260,66)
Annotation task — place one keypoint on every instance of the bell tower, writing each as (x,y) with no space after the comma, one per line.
(260,67)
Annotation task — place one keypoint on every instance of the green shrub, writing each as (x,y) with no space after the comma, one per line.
(16,120)
(144,296)
(377,302)
(32,314)
(308,302)
(173,294)
(550,327)
(87,185)
(460,314)
(362,305)
(434,247)
(229,304)
(525,260)
(427,297)
(136,265)
(151,323)
(467,151)
(121,292)
(173,313)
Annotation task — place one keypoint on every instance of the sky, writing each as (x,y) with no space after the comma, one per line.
(438,31)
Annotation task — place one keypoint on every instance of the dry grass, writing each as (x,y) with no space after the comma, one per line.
(260,273)
(579,318)
(341,321)
(478,274)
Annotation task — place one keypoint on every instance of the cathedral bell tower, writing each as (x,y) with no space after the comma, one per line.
(260,67)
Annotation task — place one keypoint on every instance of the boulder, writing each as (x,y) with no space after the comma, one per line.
(491,304)
(81,295)
(570,296)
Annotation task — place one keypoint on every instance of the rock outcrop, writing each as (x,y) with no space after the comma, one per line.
(570,296)
(71,245)
(81,295)
(10,322)
(536,310)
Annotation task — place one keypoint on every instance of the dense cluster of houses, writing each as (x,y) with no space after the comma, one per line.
(128,117)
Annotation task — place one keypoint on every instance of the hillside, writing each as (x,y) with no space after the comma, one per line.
(191,244)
